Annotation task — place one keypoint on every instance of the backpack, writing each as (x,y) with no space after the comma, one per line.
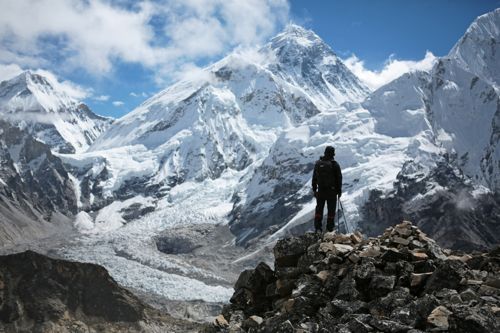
(325,175)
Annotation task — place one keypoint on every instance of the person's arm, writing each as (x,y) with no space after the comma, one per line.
(314,179)
(339,180)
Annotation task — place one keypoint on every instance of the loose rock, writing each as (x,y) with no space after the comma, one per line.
(401,281)
(439,318)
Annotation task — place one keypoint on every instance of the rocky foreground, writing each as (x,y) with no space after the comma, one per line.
(41,294)
(401,281)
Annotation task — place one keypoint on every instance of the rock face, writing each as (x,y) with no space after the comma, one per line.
(40,294)
(38,122)
(442,203)
(401,281)
(37,196)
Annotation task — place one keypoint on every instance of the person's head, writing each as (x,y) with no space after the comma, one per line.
(329,152)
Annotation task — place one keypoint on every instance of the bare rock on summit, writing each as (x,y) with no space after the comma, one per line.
(394,284)
(288,251)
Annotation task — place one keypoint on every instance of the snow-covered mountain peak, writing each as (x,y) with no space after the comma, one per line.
(33,92)
(478,51)
(485,26)
(42,106)
(295,35)
(305,60)
(296,45)
(22,79)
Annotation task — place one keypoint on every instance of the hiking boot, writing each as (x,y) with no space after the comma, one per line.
(330,226)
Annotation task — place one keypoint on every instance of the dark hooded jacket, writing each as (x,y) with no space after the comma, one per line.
(337,178)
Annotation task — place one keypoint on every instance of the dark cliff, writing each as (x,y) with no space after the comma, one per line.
(41,294)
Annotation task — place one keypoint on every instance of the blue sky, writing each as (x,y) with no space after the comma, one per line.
(114,54)
(373,30)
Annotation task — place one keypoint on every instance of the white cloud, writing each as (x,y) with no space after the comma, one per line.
(191,72)
(118,103)
(102,98)
(78,31)
(163,36)
(9,71)
(72,89)
(393,68)
(142,94)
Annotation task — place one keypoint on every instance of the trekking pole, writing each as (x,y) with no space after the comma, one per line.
(343,214)
(338,218)
(339,212)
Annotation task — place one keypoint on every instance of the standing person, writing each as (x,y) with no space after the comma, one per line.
(327,185)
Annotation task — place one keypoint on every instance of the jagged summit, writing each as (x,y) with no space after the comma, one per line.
(478,50)
(296,35)
(485,25)
(32,92)
(466,84)
(34,102)
(28,76)
(307,61)
(401,281)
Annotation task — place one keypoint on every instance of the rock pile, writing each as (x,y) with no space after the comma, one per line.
(401,281)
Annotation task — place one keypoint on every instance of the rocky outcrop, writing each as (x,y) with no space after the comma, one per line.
(41,294)
(401,281)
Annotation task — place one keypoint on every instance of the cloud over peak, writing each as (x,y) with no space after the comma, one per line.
(393,68)
(161,36)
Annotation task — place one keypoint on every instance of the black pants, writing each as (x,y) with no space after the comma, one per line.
(331,202)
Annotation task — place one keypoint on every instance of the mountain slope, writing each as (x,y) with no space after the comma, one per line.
(458,101)
(226,120)
(49,114)
(286,82)
(443,202)
(37,195)
(459,104)
(39,293)
(477,51)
